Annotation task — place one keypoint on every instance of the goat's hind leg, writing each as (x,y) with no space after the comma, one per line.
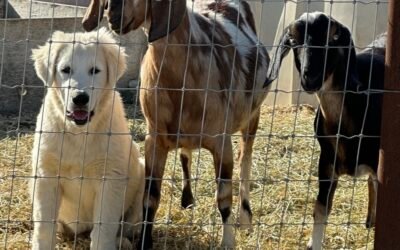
(372,195)
(187,200)
(245,162)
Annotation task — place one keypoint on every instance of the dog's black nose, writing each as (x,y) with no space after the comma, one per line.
(81,99)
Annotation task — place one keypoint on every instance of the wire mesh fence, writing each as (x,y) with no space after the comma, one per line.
(191,93)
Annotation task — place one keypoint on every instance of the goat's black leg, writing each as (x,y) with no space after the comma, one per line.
(245,163)
(327,186)
(187,200)
(156,156)
(372,193)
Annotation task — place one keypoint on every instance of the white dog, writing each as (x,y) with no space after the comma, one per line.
(89,174)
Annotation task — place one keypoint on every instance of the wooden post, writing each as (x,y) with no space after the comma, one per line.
(387,234)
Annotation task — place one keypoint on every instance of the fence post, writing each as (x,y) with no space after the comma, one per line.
(387,234)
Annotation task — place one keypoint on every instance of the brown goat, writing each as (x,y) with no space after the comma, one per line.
(201,81)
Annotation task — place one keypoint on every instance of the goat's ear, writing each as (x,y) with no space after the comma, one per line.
(166,15)
(280,52)
(345,40)
(342,35)
(93,14)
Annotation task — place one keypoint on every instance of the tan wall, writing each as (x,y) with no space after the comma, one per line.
(35,9)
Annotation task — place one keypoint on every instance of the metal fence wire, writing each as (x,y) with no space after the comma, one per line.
(202,73)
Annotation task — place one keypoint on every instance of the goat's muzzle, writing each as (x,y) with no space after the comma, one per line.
(311,84)
(94,14)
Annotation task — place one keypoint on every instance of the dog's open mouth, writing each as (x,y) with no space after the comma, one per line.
(79,116)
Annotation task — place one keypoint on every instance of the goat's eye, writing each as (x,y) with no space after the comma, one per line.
(292,42)
(94,71)
(66,70)
(335,37)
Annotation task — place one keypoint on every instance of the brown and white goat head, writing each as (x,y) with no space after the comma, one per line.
(318,42)
(127,15)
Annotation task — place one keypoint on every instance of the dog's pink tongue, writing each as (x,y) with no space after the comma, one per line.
(80,115)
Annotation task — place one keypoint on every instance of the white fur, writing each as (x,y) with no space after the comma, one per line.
(320,219)
(311,16)
(100,176)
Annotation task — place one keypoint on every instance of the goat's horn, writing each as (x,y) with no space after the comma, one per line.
(93,15)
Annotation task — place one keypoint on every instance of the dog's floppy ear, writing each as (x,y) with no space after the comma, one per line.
(115,55)
(93,14)
(166,15)
(45,58)
(281,51)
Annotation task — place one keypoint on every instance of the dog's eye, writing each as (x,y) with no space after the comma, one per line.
(66,70)
(94,71)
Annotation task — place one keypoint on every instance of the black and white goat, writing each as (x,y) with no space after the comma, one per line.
(347,124)
(202,80)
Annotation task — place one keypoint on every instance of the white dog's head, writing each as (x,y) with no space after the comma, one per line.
(79,67)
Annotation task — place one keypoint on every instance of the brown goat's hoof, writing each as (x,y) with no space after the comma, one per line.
(245,216)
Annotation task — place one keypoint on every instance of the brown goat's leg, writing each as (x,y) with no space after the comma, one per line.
(223,163)
(245,163)
(323,204)
(187,200)
(156,156)
(372,192)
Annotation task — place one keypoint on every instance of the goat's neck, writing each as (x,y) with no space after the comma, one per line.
(331,95)
(331,101)
(172,45)
(166,58)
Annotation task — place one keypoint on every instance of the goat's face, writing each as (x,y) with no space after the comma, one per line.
(123,15)
(318,43)
(126,15)
(158,17)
